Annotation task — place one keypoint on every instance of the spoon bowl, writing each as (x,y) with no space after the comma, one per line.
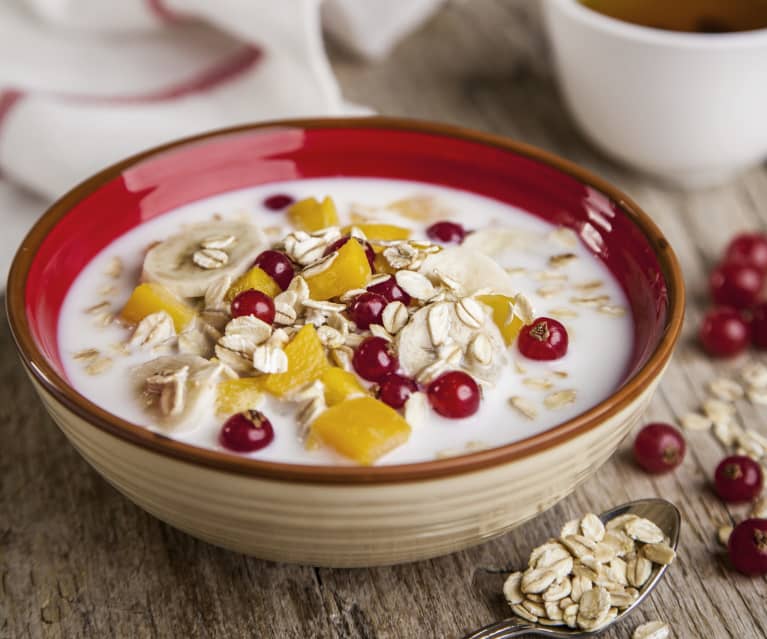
(663,513)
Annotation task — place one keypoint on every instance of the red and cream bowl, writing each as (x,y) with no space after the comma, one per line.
(326,515)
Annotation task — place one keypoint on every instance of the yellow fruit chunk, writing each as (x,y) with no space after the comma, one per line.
(306,362)
(238,395)
(361,428)
(255,278)
(151,298)
(503,315)
(340,384)
(310,215)
(350,269)
(375,231)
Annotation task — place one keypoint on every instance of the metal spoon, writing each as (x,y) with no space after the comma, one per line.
(660,511)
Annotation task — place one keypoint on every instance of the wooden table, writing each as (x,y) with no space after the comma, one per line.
(79,560)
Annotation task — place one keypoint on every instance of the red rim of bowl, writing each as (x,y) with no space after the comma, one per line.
(44,374)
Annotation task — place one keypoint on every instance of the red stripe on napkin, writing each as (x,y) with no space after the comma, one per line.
(8,98)
(158,8)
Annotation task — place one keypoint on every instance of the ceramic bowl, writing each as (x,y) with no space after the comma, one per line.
(343,516)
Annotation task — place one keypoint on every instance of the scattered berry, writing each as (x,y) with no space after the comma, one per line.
(366,309)
(748,248)
(373,360)
(391,291)
(253,302)
(748,547)
(278,202)
(246,432)
(659,448)
(395,389)
(724,332)
(759,325)
(447,232)
(738,478)
(544,339)
(278,266)
(369,252)
(736,285)
(454,394)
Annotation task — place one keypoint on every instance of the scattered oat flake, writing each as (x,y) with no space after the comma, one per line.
(101,307)
(562,259)
(723,534)
(757,395)
(538,382)
(563,312)
(695,421)
(114,267)
(564,236)
(755,374)
(652,630)
(559,399)
(717,410)
(613,310)
(759,508)
(589,286)
(549,276)
(550,291)
(726,389)
(524,406)
(88,354)
(516,270)
(591,300)
(98,365)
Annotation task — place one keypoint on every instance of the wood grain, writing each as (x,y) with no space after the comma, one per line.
(79,560)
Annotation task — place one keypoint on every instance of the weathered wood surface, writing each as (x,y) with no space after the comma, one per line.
(79,560)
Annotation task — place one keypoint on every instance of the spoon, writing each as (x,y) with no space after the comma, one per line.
(663,513)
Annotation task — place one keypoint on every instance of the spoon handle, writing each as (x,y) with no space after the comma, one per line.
(505,629)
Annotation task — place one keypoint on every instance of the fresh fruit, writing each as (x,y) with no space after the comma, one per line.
(277,266)
(738,478)
(171,263)
(446,232)
(366,309)
(340,384)
(374,359)
(246,432)
(306,362)
(278,202)
(470,270)
(736,285)
(369,252)
(255,279)
(502,307)
(545,339)
(454,394)
(758,325)
(659,448)
(312,215)
(361,428)
(238,395)
(724,332)
(385,232)
(350,269)
(390,291)
(150,298)
(256,303)
(395,389)
(747,547)
(748,248)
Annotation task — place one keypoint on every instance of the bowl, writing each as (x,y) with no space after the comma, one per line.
(686,107)
(327,515)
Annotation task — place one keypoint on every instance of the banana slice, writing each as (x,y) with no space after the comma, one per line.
(177,389)
(471,269)
(188,263)
(494,241)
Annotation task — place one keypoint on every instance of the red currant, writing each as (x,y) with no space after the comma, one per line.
(759,325)
(544,339)
(373,360)
(391,291)
(748,547)
(446,232)
(724,332)
(278,266)
(246,432)
(253,302)
(278,202)
(366,309)
(369,252)
(748,248)
(395,390)
(738,478)
(659,448)
(736,285)
(454,394)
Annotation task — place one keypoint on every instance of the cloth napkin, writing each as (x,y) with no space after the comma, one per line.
(84,83)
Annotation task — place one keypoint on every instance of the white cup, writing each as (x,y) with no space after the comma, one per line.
(690,108)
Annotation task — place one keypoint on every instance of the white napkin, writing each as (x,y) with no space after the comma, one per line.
(84,83)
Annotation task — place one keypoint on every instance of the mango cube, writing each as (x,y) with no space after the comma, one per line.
(361,428)
(148,298)
(255,278)
(238,395)
(504,318)
(350,269)
(374,231)
(340,384)
(306,362)
(310,215)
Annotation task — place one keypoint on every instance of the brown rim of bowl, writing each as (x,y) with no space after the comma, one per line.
(53,383)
